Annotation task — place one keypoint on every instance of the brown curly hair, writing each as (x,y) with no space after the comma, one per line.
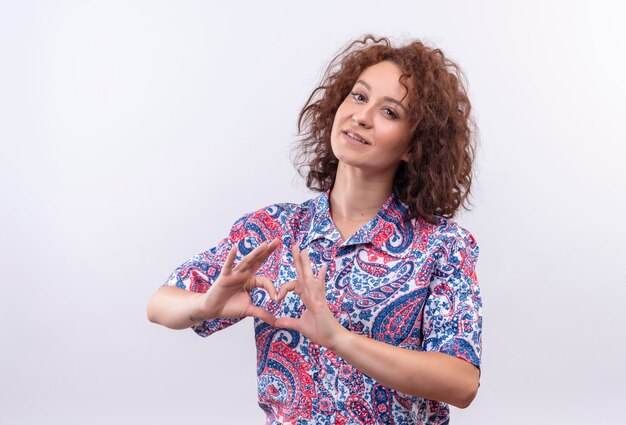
(437,178)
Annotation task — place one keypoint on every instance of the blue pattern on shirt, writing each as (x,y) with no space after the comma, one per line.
(402,281)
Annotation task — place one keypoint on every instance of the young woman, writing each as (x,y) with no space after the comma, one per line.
(366,300)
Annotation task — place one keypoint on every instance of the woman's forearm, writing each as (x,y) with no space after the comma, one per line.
(175,308)
(430,375)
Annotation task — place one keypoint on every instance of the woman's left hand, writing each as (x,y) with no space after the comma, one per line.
(317,323)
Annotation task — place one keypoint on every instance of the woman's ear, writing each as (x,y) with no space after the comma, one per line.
(406,156)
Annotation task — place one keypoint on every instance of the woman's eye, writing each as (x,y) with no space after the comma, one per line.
(391,113)
(358,96)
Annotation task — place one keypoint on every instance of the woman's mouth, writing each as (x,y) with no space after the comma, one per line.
(355,137)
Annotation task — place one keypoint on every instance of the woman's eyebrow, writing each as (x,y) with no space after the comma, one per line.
(387,98)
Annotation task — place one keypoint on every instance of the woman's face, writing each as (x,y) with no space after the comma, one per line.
(371,129)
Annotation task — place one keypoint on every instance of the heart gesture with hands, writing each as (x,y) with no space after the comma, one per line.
(317,323)
(229,296)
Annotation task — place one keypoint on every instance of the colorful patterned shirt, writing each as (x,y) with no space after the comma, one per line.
(398,280)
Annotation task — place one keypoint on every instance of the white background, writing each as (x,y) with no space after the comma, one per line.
(134,133)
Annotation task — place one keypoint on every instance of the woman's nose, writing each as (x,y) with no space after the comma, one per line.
(363,117)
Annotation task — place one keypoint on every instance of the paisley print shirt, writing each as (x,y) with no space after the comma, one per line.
(398,280)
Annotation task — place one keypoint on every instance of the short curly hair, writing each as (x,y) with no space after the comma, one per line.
(437,178)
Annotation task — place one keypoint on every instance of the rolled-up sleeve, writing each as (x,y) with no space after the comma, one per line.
(452,321)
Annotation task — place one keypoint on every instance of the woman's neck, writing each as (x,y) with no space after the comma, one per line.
(355,198)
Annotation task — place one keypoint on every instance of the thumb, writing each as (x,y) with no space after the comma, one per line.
(288,323)
(262,314)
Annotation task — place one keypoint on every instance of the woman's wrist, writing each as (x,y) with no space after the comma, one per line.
(342,340)
(198,311)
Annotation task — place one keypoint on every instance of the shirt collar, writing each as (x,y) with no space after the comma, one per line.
(391,230)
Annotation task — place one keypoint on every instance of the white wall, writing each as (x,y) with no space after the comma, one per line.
(133,134)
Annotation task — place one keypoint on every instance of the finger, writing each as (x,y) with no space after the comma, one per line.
(259,313)
(263,256)
(249,259)
(288,322)
(284,289)
(230,259)
(267,284)
(306,263)
(275,243)
(321,276)
(296,260)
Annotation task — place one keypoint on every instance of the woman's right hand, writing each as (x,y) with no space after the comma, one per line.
(229,296)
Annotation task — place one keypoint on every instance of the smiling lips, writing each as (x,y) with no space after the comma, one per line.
(356,137)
